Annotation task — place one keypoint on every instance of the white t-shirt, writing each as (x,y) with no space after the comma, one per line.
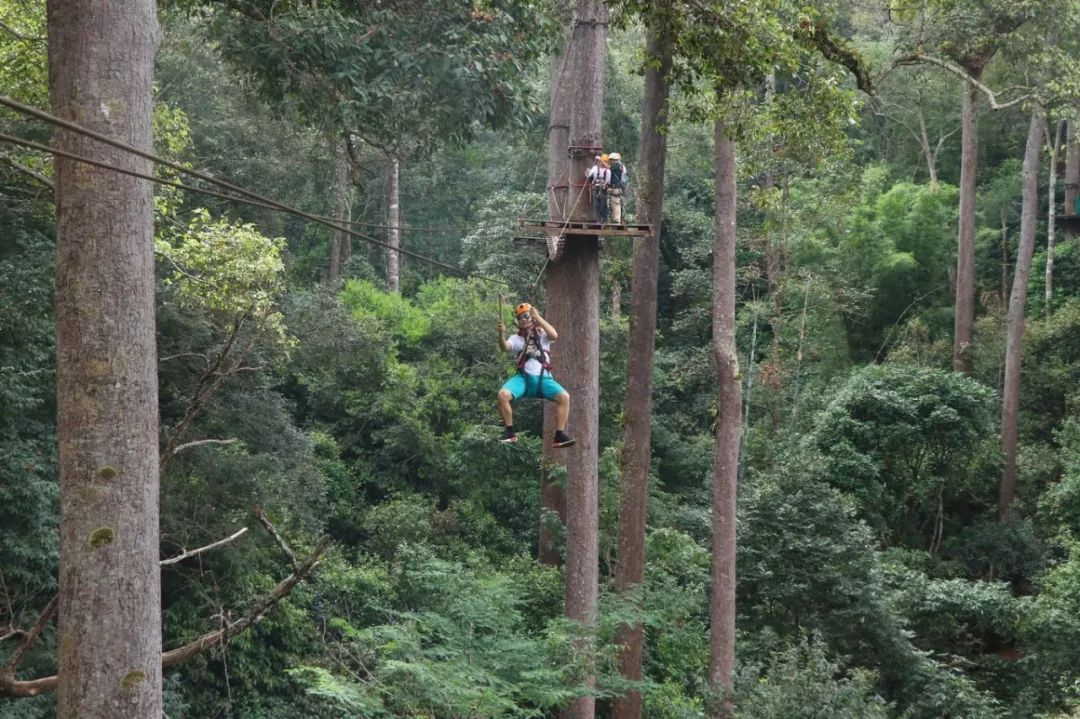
(518,345)
(598,174)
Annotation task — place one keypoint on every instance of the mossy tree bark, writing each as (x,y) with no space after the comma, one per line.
(101,69)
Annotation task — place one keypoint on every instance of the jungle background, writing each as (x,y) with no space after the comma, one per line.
(874,576)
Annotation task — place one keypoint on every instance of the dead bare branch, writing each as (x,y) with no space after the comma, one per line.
(214,545)
(265,521)
(200,442)
(917,57)
(10,687)
(8,672)
(185,354)
(40,177)
(256,612)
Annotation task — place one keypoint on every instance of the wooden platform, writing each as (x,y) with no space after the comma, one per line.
(1069,223)
(585,228)
(553,234)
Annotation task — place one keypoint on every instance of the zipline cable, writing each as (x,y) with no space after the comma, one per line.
(213,193)
(251,198)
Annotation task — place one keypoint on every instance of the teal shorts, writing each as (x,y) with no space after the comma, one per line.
(531,385)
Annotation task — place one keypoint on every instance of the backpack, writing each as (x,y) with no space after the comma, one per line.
(618,175)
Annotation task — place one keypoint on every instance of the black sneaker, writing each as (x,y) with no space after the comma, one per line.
(561,440)
(509,436)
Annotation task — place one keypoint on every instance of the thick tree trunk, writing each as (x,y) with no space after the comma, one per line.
(637,443)
(393,233)
(553,494)
(1072,169)
(573,288)
(342,213)
(728,431)
(574,309)
(1014,344)
(101,71)
(964,321)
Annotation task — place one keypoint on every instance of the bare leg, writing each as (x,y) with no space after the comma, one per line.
(562,411)
(505,411)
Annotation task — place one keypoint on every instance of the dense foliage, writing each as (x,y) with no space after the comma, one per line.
(874,579)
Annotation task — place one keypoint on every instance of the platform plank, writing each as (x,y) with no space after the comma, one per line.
(554,227)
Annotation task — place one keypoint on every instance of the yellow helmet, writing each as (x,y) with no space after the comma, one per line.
(522,309)
(604,157)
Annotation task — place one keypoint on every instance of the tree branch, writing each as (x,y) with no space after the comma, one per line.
(10,687)
(19,36)
(256,611)
(185,554)
(200,442)
(43,179)
(8,672)
(185,354)
(917,57)
(274,533)
(834,49)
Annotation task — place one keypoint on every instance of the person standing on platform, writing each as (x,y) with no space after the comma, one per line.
(618,181)
(598,177)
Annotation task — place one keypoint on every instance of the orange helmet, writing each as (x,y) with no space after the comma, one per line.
(522,309)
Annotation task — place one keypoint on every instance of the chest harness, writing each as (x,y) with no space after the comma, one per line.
(536,352)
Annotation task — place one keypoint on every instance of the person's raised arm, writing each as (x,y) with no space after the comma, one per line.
(545,325)
(502,337)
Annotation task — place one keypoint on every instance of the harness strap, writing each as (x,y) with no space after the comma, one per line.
(544,360)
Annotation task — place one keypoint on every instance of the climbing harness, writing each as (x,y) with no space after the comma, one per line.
(537,352)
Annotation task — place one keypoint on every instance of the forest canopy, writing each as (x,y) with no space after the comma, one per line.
(894,191)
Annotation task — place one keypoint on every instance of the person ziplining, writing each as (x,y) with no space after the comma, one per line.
(532,346)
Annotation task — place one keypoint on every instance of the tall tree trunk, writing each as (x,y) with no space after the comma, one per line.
(924,139)
(573,298)
(1072,168)
(553,493)
(1053,140)
(964,321)
(728,430)
(393,233)
(573,290)
(101,72)
(774,263)
(637,443)
(342,215)
(1014,345)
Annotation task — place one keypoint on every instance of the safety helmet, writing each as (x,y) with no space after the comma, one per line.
(522,309)
(615,156)
(604,158)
